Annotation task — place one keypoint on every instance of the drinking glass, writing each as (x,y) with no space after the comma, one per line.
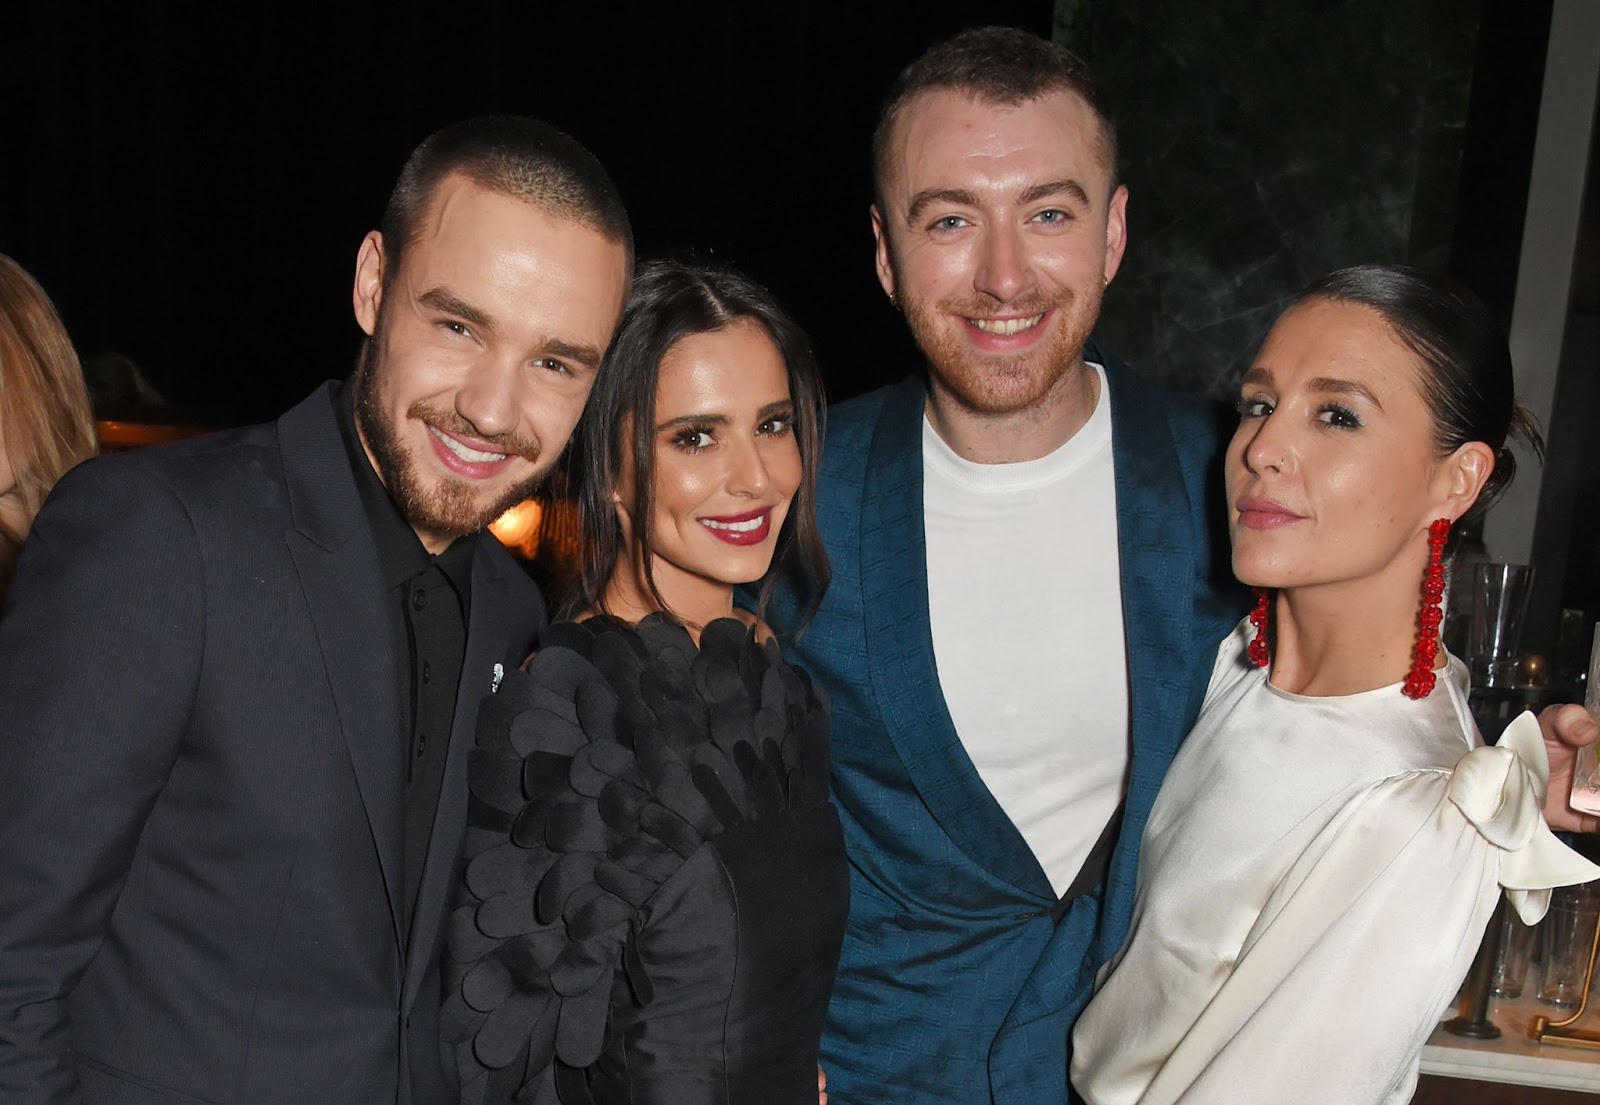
(1586,766)
(1569,930)
(1499,600)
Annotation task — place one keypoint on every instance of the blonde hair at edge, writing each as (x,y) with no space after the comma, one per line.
(45,424)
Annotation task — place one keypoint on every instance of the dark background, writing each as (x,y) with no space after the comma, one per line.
(190,181)
(191,184)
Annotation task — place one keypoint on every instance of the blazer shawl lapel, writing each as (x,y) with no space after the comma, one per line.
(905,679)
(488,631)
(337,561)
(1156,563)
(1155,537)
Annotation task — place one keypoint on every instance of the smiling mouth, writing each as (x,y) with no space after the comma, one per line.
(470,456)
(1006,327)
(742,529)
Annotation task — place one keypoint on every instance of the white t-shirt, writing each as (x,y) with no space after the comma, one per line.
(1025,600)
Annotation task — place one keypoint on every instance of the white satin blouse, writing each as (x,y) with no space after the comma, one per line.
(1313,884)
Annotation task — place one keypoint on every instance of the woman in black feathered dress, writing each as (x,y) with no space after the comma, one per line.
(656,885)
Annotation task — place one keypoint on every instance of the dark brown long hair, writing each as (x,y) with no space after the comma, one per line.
(672,300)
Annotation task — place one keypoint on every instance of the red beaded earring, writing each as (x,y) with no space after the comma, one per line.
(1258,618)
(1422,677)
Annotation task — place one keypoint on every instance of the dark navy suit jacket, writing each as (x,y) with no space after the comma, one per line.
(956,984)
(202,773)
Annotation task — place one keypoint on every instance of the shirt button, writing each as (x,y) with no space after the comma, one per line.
(427,672)
(422,743)
(419,599)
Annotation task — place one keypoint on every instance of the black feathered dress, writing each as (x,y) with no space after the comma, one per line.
(656,887)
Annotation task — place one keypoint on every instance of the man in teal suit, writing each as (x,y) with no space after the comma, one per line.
(1030,582)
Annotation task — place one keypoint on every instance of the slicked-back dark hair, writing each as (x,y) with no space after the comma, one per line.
(994,65)
(673,300)
(515,156)
(1466,382)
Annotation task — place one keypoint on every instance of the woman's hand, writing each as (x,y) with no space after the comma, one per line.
(822,1086)
(1567,730)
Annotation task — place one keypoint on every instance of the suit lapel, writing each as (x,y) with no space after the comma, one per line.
(900,654)
(339,572)
(1155,538)
(488,637)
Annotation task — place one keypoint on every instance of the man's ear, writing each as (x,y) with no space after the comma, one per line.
(367,293)
(1116,232)
(885,261)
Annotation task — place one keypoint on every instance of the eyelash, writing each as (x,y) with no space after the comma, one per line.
(686,438)
(1342,418)
(1329,414)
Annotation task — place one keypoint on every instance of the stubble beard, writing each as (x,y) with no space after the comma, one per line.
(998,385)
(447,507)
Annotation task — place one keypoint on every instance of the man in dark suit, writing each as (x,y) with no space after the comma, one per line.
(240,674)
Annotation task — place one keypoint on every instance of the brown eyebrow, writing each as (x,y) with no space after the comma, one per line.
(1328,385)
(960,196)
(442,299)
(762,415)
(1050,188)
(694,420)
(930,196)
(1336,386)
(586,356)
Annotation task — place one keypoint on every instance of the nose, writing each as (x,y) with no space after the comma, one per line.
(490,395)
(1267,448)
(748,473)
(1003,269)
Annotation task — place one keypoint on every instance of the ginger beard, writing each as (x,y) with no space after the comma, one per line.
(444,505)
(991,384)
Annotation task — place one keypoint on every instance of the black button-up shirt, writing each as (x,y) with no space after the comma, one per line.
(430,597)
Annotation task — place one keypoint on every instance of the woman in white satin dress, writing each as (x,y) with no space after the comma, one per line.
(1329,844)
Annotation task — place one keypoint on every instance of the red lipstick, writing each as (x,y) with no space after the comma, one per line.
(749,528)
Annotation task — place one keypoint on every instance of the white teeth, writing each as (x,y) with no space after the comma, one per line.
(1005,327)
(471,456)
(736,527)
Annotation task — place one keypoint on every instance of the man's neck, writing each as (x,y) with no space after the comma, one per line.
(1036,431)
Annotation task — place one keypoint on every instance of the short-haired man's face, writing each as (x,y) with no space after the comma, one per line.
(998,232)
(483,350)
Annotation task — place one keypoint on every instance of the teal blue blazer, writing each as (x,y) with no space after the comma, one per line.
(957,984)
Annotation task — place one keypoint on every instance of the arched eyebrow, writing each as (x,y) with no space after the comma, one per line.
(771,410)
(1333,385)
(1322,385)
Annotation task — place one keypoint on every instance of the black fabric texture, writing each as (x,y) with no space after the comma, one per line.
(428,600)
(656,886)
